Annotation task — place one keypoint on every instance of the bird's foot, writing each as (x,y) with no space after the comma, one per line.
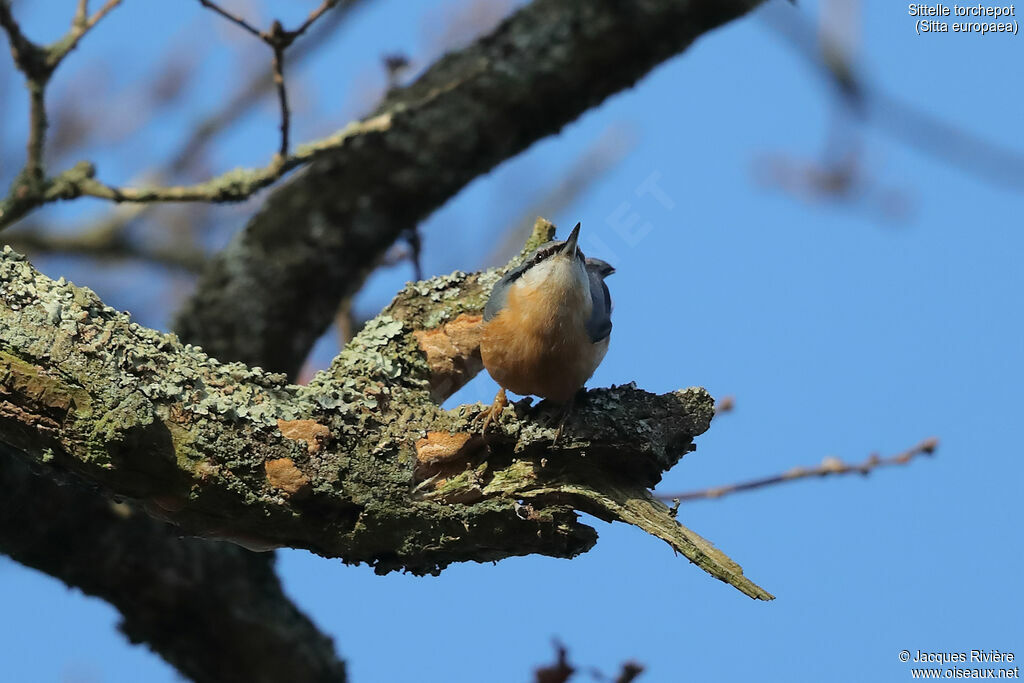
(494,412)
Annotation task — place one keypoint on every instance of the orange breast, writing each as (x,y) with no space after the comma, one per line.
(535,347)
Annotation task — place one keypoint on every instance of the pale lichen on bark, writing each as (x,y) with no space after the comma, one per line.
(225,451)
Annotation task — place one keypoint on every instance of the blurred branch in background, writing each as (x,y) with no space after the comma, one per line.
(173,242)
(213,610)
(90,112)
(33,188)
(108,240)
(255,86)
(831,49)
(829,466)
(278,39)
(561,670)
(724,405)
(37,63)
(840,180)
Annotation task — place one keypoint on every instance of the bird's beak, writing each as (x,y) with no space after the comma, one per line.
(570,244)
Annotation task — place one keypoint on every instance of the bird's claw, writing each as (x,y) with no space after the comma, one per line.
(494,412)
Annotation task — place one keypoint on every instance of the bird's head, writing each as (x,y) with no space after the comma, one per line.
(555,277)
(558,265)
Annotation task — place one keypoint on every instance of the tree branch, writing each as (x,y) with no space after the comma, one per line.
(256,85)
(33,188)
(830,466)
(233,18)
(360,464)
(106,240)
(279,40)
(914,125)
(213,610)
(320,234)
(38,63)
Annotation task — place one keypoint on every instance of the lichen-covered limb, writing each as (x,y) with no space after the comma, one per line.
(636,506)
(213,610)
(361,464)
(322,232)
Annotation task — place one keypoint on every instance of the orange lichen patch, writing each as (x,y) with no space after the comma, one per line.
(312,432)
(453,353)
(437,447)
(284,475)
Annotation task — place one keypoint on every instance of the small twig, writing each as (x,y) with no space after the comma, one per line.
(395,65)
(232,186)
(258,83)
(81,13)
(80,25)
(30,59)
(415,241)
(630,670)
(829,466)
(313,16)
(38,122)
(278,39)
(726,404)
(345,323)
(23,50)
(233,18)
(560,671)
(282,93)
(37,63)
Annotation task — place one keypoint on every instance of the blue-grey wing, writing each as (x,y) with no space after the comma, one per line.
(602,268)
(600,324)
(499,295)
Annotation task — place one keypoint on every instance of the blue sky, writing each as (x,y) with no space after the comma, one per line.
(840,330)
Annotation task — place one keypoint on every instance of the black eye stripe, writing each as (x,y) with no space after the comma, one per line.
(538,256)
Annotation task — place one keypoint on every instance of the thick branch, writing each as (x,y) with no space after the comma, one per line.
(213,610)
(106,241)
(361,464)
(274,290)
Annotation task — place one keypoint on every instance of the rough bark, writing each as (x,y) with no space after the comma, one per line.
(213,610)
(274,289)
(361,464)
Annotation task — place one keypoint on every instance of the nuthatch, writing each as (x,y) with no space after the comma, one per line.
(547,323)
